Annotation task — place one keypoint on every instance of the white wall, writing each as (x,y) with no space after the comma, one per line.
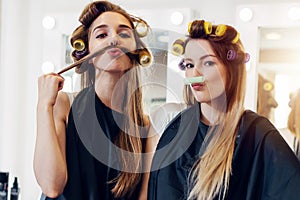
(24,48)
(20,60)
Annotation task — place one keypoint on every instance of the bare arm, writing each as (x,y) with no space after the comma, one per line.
(49,156)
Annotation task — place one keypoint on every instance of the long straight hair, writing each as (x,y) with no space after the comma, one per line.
(130,138)
(127,180)
(211,173)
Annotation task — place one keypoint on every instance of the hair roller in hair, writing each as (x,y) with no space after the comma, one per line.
(181,65)
(190,27)
(78,45)
(145,58)
(207,27)
(221,29)
(231,55)
(178,47)
(141,29)
(247,57)
(236,38)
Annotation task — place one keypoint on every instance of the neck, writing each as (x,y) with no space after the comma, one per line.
(209,114)
(109,89)
(212,111)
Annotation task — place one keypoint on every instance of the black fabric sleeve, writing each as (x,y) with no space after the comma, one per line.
(275,170)
(281,169)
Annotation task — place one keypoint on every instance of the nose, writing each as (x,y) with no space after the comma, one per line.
(197,71)
(114,40)
(193,72)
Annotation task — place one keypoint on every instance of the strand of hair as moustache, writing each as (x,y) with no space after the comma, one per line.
(132,55)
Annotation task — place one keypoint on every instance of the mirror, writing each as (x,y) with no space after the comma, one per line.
(278,72)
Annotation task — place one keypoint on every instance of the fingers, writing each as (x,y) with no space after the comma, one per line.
(52,79)
(48,87)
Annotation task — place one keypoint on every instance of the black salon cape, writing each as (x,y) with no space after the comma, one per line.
(263,168)
(88,177)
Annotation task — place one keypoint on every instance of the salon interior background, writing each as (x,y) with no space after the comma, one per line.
(26,45)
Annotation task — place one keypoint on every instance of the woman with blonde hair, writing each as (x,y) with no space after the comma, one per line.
(94,150)
(215,149)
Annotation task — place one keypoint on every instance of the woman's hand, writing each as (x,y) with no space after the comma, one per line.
(48,87)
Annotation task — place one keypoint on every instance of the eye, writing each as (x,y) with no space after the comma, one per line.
(183,65)
(209,63)
(189,65)
(101,36)
(124,35)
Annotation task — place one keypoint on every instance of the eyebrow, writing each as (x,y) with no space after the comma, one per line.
(122,26)
(203,57)
(208,55)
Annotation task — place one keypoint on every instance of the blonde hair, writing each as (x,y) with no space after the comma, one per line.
(294,116)
(211,174)
(130,138)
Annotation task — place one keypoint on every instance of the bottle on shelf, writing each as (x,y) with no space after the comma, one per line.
(15,190)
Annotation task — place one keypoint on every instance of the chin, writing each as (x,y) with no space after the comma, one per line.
(116,69)
(117,66)
(201,99)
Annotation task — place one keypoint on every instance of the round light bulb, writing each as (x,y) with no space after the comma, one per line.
(48,22)
(177,18)
(246,14)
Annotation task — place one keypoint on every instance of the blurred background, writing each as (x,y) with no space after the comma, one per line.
(34,40)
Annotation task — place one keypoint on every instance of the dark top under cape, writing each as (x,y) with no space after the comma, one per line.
(91,155)
(263,167)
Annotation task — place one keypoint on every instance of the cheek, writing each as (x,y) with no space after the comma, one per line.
(188,73)
(131,45)
(218,76)
(95,44)
(223,74)
(216,82)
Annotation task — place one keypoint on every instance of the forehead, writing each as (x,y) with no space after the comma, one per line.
(110,19)
(198,48)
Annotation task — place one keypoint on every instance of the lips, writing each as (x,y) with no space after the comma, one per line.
(115,52)
(198,86)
